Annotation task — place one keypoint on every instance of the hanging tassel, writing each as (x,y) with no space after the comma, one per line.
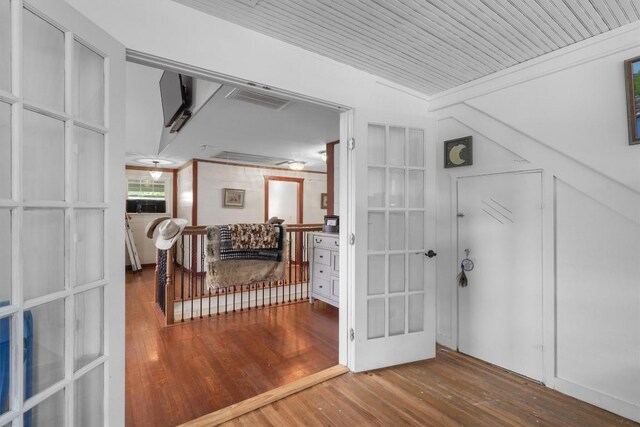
(462,277)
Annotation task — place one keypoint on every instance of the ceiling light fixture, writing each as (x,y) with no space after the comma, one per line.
(296,165)
(323,155)
(155,174)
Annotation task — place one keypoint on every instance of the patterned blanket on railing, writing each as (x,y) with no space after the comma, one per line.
(251,241)
(235,268)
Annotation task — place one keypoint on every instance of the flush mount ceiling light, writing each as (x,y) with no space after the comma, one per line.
(296,165)
(155,174)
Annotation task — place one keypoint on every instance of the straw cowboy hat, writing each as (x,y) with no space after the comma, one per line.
(168,232)
(152,225)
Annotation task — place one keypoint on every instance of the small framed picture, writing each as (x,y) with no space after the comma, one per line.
(323,201)
(458,152)
(233,198)
(632,77)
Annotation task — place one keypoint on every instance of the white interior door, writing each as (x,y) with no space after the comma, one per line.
(391,181)
(500,310)
(61,205)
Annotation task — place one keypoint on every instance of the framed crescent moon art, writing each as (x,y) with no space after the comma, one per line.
(458,152)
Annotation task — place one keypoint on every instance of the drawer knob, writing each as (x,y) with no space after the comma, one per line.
(321,256)
(336,243)
(321,271)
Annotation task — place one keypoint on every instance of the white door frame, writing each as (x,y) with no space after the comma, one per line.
(548,257)
(345,350)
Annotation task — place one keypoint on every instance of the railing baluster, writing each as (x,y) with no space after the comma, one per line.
(290,265)
(201,272)
(182,277)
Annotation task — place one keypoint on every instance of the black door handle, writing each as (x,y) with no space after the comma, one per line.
(431,253)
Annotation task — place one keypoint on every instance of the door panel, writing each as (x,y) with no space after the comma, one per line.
(500,311)
(393,222)
(61,135)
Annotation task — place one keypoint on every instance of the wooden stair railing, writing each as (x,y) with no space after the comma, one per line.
(176,260)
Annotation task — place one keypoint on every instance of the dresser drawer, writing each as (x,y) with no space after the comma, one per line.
(335,288)
(321,272)
(321,256)
(335,262)
(327,242)
(322,287)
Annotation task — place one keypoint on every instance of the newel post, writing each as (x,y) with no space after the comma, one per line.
(169,289)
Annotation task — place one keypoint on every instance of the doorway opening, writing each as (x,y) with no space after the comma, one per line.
(234,161)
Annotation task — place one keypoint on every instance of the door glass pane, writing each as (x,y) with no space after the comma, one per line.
(396,315)
(5,362)
(416,148)
(396,188)
(416,189)
(376,235)
(48,344)
(43,173)
(376,146)
(88,71)
(89,245)
(49,412)
(416,312)
(5,150)
(5,45)
(5,255)
(396,146)
(396,231)
(376,276)
(43,62)
(377,187)
(396,273)
(89,327)
(90,165)
(43,240)
(375,318)
(416,272)
(416,230)
(88,398)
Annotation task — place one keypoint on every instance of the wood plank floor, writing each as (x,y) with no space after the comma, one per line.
(182,372)
(450,390)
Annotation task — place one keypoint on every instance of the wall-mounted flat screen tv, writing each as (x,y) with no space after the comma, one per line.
(175,96)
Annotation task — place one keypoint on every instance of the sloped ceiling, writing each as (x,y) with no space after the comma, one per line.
(427,45)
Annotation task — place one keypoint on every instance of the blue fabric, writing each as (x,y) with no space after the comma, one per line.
(5,360)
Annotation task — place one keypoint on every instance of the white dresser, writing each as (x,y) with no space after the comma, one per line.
(324,267)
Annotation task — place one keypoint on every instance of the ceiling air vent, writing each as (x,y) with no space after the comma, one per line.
(258,98)
(248,158)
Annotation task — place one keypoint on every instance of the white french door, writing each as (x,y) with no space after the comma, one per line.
(392,223)
(61,161)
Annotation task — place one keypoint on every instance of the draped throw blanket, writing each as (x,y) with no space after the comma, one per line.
(242,254)
(251,241)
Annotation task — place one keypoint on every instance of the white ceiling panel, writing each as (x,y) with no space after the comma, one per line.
(427,45)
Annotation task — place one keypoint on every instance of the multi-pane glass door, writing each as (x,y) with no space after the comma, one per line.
(391,167)
(53,146)
(396,248)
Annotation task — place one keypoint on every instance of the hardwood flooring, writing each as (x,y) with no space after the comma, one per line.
(450,390)
(182,372)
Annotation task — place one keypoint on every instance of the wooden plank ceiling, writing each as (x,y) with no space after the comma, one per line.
(427,45)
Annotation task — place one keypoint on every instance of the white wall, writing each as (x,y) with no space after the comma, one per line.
(564,114)
(213,178)
(185,194)
(138,222)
